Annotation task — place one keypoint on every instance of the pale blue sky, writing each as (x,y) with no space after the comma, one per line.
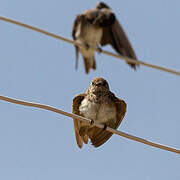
(36,144)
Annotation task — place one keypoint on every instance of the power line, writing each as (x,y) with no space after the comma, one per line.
(79,117)
(120,133)
(103,51)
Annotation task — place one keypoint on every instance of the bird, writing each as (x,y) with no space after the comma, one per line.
(99,26)
(101,106)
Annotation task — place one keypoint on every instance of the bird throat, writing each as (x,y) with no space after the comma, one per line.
(96,95)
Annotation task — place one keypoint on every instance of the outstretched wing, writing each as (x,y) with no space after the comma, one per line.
(77,123)
(116,37)
(75,26)
(100,136)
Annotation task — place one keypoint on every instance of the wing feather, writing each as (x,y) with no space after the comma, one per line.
(117,38)
(77,123)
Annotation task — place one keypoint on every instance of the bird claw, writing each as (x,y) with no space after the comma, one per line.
(105,127)
(91,122)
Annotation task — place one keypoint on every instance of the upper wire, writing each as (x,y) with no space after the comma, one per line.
(96,49)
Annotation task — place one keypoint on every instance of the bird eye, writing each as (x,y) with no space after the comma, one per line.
(102,83)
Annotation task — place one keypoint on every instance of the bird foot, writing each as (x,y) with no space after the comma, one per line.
(91,122)
(105,127)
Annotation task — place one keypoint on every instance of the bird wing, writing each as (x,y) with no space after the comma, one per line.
(100,136)
(117,38)
(75,25)
(77,123)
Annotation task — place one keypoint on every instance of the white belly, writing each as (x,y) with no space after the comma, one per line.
(90,36)
(100,113)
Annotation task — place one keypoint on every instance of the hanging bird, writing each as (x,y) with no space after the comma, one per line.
(100,105)
(100,26)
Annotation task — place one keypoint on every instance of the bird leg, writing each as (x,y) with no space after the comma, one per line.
(105,127)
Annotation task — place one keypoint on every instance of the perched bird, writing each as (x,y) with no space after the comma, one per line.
(100,26)
(100,105)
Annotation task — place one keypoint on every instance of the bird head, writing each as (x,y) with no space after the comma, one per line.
(99,85)
(102,5)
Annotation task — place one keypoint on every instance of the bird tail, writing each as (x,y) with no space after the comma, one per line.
(77,56)
(89,63)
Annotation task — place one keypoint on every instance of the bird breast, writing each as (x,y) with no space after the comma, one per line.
(99,112)
(89,34)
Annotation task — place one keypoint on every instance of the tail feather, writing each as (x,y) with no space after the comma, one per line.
(85,139)
(86,65)
(77,56)
(89,63)
(94,64)
(83,134)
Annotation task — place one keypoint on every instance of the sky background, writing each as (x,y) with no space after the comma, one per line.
(37,144)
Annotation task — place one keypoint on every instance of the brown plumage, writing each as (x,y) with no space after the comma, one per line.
(100,26)
(102,106)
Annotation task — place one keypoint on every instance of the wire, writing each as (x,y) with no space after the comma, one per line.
(120,133)
(144,141)
(103,51)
